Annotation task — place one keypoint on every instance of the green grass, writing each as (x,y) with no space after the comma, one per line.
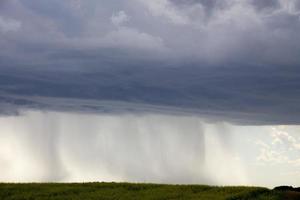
(120,191)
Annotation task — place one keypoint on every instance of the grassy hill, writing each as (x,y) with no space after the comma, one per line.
(120,191)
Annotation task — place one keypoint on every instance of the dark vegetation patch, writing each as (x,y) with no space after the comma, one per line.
(289,192)
(124,191)
(287,188)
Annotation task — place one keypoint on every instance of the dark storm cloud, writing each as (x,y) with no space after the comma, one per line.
(249,95)
(207,3)
(213,3)
(232,60)
(267,4)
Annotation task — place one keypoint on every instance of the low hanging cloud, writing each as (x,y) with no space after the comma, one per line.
(227,60)
(232,94)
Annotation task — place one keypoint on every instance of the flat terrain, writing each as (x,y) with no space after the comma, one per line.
(112,191)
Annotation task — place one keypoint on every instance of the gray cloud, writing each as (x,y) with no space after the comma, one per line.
(233,60)
(268,4)
(245,95)
(147,68)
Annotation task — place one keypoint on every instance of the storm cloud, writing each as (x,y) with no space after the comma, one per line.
(150,91)
(227,60)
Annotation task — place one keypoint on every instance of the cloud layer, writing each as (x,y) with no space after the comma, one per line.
(232,60)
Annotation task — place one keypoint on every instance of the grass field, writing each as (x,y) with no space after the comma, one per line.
(112,191)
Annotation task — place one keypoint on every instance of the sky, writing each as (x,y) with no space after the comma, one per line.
(166,91)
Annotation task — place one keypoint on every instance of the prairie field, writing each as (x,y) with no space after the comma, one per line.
(120,191)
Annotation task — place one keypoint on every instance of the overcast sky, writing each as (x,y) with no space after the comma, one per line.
(229,61)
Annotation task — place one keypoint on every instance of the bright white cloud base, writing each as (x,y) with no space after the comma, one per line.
(55,146)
